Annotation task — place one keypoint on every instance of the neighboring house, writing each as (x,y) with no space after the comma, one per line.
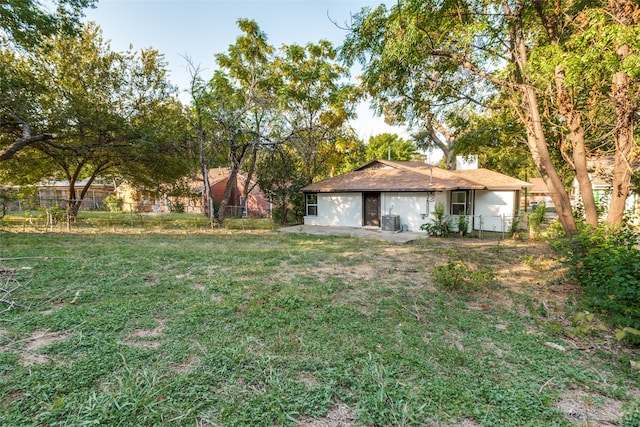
(382,192)
(57,193)
(538,192)
(601,176)
(257,206)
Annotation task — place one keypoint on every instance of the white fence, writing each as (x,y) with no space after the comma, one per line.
(505,225)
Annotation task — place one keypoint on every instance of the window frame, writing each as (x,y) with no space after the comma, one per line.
(309,205)
(464,204)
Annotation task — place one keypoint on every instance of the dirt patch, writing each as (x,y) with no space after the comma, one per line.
(307,379)
(36,341)
(583,408)
(340,415)
(186,366)
(145,338)
(53,309)
(465,422)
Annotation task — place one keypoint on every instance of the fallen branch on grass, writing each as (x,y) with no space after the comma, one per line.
(7,289)
(5,298)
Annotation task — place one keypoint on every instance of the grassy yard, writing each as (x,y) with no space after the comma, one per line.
(260,328)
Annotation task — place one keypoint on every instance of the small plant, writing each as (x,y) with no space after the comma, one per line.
(514,228)
(535,220)
(456,275)
(463,225)
(113,203)
(585,323)
(441,223)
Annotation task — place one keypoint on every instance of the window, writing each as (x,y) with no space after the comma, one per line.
(312,205)
(458,203)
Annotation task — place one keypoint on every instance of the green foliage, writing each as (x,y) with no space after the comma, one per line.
(277,171)
(379,146)
(440,224)
(177,206)
(113,203)
(631,417)
(463,224)
(113,113)
(605,263)
(26,22)
(457,276)
(536,218)
(585,323)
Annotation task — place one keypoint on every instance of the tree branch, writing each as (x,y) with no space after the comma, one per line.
(11,150)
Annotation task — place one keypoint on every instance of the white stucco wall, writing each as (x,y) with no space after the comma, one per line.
(410,207)
(415,209)
(337,209)
(492,205)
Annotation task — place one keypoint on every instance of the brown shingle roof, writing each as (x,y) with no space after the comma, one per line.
(384,175)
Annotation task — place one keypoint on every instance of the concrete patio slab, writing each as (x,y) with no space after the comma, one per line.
(363,233)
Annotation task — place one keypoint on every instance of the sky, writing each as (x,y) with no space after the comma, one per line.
(199,29)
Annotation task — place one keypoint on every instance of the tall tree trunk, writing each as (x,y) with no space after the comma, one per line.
(576,136)
(237,154)
(530,116)
(627,13)
(207,197)
(72,205)
(541,158)
(249,184)
(625,150)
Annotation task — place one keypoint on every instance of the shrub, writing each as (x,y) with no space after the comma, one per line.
(606,263)
(463,225)
(535,220)
(441,223)
(113,203)
(176,206)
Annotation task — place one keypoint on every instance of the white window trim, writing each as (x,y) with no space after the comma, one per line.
(308,205)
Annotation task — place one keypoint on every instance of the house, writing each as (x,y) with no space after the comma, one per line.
(601,177)
(538,192)
(406,194)
(257,205)
(52,193)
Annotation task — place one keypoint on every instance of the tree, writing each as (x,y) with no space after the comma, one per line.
(198,119)
(499,140)
(113,112)
(27,23)
(316,104)
(387,145)
(277,170)
(24,24)
(580,54)
(619,23)
(242,91)
(454,39)
(261,98)
(20,119)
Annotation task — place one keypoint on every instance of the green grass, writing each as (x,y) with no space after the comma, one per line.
(92,221)
(264,328)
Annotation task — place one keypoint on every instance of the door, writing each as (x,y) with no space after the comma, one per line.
(371,209)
